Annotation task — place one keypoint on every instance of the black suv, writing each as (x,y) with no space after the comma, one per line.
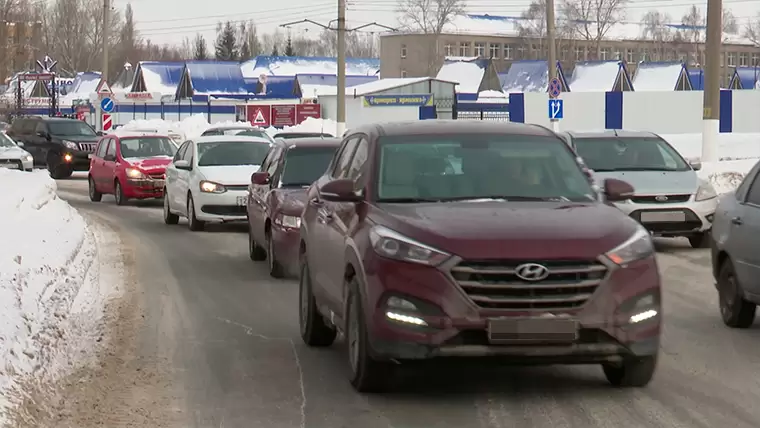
(60,144)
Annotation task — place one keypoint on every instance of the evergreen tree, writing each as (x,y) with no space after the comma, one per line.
(275,51)
(226,43)
(200,48)
(289,47)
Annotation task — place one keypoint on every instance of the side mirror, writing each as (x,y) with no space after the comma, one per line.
(696,166)
(182,164)
(617,190)
(339,191)
(20,143)
(260,178)
(43,134)
(100,133)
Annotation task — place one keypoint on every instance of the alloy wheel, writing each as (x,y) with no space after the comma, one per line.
(728,295)
(353,337)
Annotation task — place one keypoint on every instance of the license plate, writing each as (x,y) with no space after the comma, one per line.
(663,217)
(9,166)
(242,201)
(158,184)
(532,330)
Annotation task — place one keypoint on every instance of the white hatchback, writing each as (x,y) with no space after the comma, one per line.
(208,179)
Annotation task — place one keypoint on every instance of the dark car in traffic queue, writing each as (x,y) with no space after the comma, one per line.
(287,135)
(277,196)
(437,239)
(61,145)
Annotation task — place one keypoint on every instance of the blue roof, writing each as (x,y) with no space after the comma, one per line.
(503,78)
(277,87)
(747,78)
(211,77)
(530,76)
(294,65)
(169,75)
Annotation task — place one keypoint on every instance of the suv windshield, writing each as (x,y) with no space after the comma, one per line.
(5,141)
(147,147)
(629,154)
(462,167)
(304,165)
(69,128)
(230,153)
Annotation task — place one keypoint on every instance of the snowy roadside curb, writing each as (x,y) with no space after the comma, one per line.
(52,294)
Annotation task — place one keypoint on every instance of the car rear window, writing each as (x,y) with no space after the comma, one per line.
(460,167)
(304,165)
(231,153)
(147,147)
(629,154)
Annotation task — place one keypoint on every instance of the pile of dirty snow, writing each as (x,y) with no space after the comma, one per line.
(47,298)
(310,125)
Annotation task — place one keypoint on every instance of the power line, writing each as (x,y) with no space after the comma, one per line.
(279,10)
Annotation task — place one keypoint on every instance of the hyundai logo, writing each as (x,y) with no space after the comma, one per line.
(532,272)
(661,198)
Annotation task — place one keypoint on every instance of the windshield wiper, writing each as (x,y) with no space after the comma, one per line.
(407,200)
(645,168)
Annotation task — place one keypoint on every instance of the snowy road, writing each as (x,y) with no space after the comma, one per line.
(228,336)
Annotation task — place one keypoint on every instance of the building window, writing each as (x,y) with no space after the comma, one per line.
(731,59)
(403,51)
(605,54)
(743,59)
(494,50)
(521,52)
(617,55)
(464,49)
(580,53)
(403,74)
(755,60)
(722,59)
(507,51)
(449,49)
(629,56)
(644,55)
(480,49)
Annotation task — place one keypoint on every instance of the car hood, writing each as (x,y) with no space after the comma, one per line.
(230,175)
(292,201)
(78,138)
(12,153)
(656,182)
(511,230)
(158,163)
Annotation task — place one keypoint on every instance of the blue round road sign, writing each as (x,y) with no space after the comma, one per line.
(555,88)
(107,105)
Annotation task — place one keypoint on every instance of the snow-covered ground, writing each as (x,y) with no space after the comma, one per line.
(53,289)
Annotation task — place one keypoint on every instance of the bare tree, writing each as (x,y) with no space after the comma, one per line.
(656,29)
(730,26)
(358,44)
(532,27)
(693,32)
(429,17)
(591,20)
(752,30)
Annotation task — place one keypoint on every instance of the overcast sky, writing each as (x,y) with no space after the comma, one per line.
(170,21)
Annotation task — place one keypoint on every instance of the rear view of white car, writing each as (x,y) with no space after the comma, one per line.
(208,179)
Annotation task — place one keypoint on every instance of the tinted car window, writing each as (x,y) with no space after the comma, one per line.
(111,151)
(146,147)
(358,162)
(629,154)
(27,126)
(458,167)
(304,165)
(181,151)
(102,148)
(343,162)
(232,153)
(753,195)
(274,161)
(71,128)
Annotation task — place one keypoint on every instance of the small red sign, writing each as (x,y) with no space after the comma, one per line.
(107,122)
(304,111)
(260,115)
(283,115)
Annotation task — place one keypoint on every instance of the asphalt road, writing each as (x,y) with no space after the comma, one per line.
(232,333)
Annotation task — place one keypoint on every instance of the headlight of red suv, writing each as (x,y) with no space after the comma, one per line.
(393,245)
(638,246)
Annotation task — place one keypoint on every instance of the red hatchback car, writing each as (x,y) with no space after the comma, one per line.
(277,196)
(130,167)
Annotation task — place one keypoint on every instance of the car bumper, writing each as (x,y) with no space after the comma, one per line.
(18,164)
(286,241)
(143,189)
(216,207)
(697,216)
(607,331)
(79,160)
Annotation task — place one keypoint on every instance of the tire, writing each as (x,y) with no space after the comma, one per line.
(315,332)
(95,196)
(192,221)
(255,252)
(118,193)
(735,311)
(57,170)
(367,374)
(169,216)
(632,373)
(275,268)
(701,240)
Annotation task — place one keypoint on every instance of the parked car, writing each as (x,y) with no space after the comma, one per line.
(208,179)
(62,145)
(277,197)
(13,156)
(242,129)
(671,200)
(295,134)
(736,253)
(255,132)
(454,239)
(130,166)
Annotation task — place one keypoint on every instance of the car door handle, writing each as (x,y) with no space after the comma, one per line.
(316,203)
(324,217)
(737,221)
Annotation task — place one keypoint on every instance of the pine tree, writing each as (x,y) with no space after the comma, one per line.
(289,47)
(226,43)
(200,48)
(275,51)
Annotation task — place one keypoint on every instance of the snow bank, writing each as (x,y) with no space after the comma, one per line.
(310,125)
(47,302)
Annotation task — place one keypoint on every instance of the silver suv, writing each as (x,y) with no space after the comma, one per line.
(670,199)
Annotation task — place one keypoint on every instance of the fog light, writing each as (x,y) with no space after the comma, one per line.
(67,157)
(643,316)
(399,310)
(406,319)
(710,217)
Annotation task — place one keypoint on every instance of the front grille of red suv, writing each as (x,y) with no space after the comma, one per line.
(495,284)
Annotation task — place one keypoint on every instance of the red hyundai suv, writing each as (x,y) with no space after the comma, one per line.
(453,239)
(130,167)
(276,198)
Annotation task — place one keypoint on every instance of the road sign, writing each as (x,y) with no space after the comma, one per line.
(107,105)
(104,88)
(555,88)
(556,109)
(107,122)
(260,115)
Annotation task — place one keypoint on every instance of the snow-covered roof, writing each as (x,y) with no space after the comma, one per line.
(745,78)
(294,65)
(383,85)
(492,97)
(530,76)
(317,84)
(495,25)
(600,76)
(661,76)
(124,80)
(211,77)
(472,75)
(155,76)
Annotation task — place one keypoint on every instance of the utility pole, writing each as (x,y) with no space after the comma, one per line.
(551,38)
(711,96)
(341,68)
(106,36)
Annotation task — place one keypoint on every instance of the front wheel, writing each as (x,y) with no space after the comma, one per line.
(701,240)
(633,372)
(735,310)
(275,267)
(169,216)
(95,196)
(314,330)
(121,198)
(57,169)
(192,221)
(255,252)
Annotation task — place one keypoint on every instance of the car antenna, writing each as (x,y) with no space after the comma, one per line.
(322,130)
